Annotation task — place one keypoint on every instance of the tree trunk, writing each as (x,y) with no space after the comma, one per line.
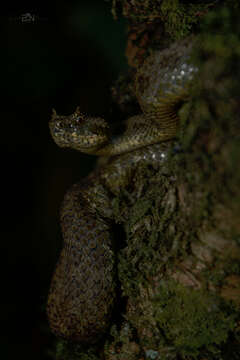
(179,269)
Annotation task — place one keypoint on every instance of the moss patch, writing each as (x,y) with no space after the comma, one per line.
(191,319)
(177,16)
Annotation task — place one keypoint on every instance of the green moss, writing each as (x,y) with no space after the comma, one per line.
(211,112)
(148,221)
(178,18)
(122,345)
(191,319)
(68,351)
(222,268)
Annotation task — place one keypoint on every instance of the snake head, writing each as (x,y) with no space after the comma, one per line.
(78,131)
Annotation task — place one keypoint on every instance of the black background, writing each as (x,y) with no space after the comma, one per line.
(68,56)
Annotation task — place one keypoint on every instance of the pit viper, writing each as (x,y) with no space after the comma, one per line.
(83,287)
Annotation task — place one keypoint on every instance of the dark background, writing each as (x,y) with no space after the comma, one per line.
(69,55)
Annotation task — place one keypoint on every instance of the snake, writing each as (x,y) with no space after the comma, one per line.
(82,293)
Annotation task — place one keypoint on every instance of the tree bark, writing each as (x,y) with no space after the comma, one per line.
(179,270)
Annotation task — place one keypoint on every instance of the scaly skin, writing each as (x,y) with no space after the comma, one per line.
(82,292)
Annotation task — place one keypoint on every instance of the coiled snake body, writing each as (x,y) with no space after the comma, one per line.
(82,291)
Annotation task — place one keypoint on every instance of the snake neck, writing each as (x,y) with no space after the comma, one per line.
(138,134)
